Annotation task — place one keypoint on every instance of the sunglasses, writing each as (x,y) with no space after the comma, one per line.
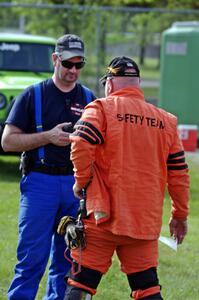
(69,65)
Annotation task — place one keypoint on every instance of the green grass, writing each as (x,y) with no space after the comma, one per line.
(178,272)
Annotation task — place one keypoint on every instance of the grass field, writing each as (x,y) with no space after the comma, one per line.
(178,272)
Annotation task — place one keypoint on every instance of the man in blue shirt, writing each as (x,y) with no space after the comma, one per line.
(35,127)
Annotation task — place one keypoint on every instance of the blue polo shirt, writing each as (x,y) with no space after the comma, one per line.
(57,107)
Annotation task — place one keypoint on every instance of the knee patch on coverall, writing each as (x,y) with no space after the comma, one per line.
(145,284)
(82,284)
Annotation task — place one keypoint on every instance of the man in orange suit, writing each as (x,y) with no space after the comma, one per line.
(126,151)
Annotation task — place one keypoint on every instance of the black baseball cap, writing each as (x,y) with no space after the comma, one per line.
(121,66)
(68,46)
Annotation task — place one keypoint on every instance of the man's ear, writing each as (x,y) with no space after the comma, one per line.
(54,58)
(109,86)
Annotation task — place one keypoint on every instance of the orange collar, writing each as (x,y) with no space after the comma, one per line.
(129,90)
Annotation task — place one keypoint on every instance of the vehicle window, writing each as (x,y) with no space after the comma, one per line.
(26,57)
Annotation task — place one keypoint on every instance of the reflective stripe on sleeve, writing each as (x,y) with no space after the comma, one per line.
(89,132)
(176,161)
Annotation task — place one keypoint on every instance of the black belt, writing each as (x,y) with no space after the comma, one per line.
(53,170)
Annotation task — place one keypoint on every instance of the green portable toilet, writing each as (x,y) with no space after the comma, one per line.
(179,71)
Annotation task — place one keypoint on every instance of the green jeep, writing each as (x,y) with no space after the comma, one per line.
(24,60)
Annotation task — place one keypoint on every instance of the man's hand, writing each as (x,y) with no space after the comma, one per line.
(77,191)
(178,229)
(58,136)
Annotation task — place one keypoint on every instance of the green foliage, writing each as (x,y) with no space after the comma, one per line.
(96,26)
(178,272)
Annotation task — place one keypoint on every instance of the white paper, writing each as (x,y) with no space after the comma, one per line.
(171,243)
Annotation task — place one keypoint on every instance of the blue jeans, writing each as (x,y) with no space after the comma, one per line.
(44,200)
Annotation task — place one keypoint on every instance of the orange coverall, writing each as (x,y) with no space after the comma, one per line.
(129,151)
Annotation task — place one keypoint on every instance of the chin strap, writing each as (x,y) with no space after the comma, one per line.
(73,231)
